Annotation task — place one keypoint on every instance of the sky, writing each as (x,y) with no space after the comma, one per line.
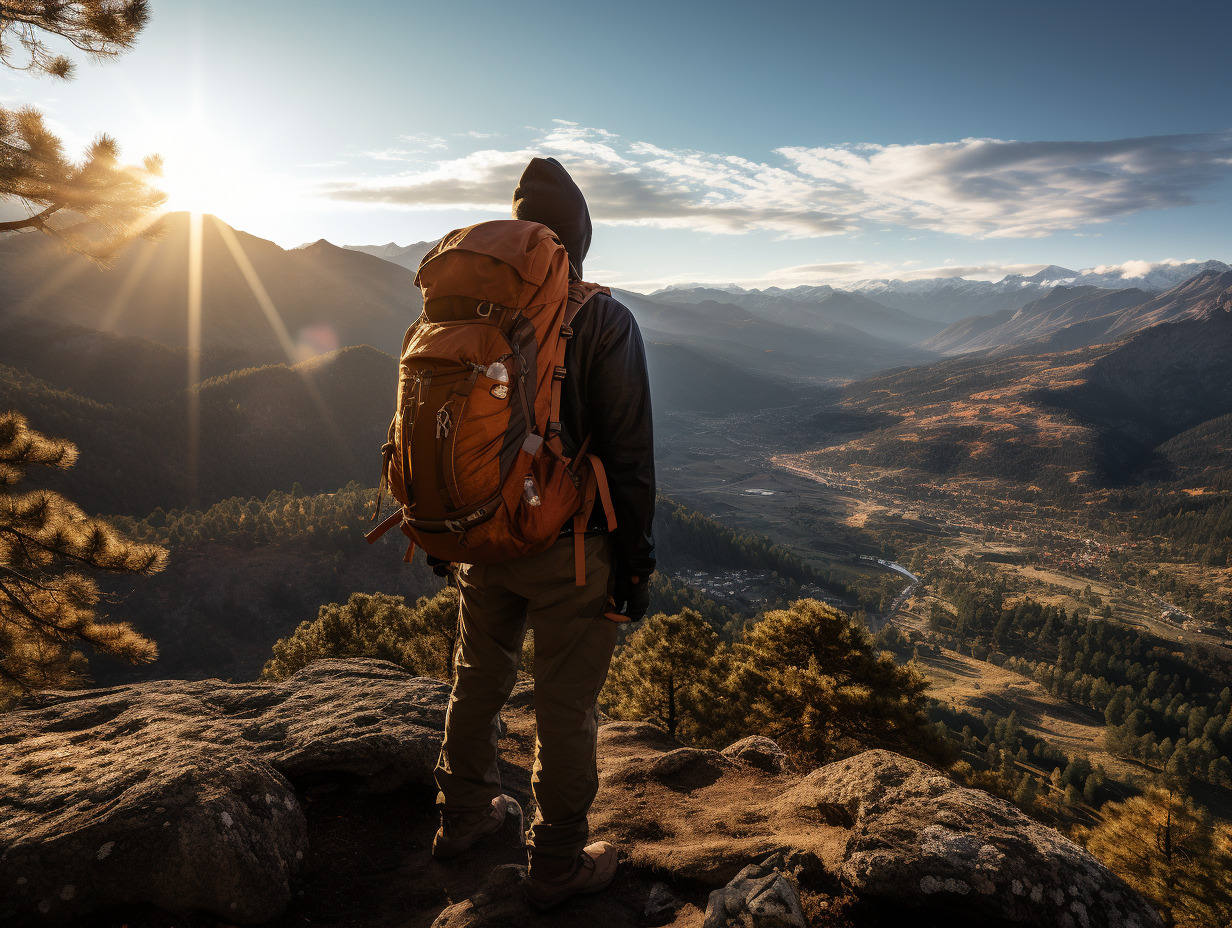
(717,142)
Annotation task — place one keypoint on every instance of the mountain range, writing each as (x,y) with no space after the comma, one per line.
(951,299)
(1074,317)
(830,313)
(408,256)
(255,295)
(287,392)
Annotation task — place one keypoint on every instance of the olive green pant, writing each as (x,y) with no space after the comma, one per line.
(573,648)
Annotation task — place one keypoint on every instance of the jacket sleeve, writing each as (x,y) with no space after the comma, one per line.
(619,409)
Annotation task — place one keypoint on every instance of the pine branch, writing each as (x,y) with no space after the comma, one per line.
(32,222)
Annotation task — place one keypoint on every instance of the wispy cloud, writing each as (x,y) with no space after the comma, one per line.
(391,154)
(852,271)
(980,188)
(992,188)
(425,142)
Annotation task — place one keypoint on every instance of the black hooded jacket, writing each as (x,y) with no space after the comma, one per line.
(606,394)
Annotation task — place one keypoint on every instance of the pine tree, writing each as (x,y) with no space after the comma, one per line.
(46,605)
(1164,847)
(94,204)
(375,625)
(673,672)
(815,684)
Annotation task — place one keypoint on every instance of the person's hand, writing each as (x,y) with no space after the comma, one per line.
(630,598)
(442,569)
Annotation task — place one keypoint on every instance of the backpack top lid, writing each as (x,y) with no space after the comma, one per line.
(505,261)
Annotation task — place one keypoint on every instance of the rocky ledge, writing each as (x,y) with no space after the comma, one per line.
(310,801)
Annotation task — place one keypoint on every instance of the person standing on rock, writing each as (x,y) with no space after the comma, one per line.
(606,396)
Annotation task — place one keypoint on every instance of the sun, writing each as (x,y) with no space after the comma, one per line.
(203,172)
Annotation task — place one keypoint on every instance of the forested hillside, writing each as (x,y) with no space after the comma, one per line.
(245,571)
(320,423)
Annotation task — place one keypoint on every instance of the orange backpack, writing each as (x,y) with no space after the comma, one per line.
(474,452)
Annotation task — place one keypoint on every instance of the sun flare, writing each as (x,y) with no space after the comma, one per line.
(203,172)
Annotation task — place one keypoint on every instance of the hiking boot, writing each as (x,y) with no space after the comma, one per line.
(592,871)
(460,830)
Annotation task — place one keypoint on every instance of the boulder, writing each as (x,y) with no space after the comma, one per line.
(661,905)
(758,897)
(919,839)
(178,793)
(368,719)
(499,903)
(760,752)
(635,733)
(683,770)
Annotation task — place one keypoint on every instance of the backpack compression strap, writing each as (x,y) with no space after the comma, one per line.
(395,518)
(579,295)
(596,483)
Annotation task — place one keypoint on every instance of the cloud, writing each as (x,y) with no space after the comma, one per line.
(390,154)
(425,142)
(482,180)
(978,188)
(990,188)
(1129,270)
(851,271)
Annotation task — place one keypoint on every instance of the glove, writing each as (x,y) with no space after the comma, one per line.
(440,568)
(630,598)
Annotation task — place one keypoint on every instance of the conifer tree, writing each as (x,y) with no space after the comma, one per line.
(47,606)
(94,204)
(673,672)
(815,684)
(375,625)
(1166,848)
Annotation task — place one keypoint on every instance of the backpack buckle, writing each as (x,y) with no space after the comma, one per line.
(553,429)
(559,372)
(566,331)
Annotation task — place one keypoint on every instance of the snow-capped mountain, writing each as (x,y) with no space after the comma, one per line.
(950,299)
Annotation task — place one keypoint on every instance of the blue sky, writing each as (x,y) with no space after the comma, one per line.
(777,143)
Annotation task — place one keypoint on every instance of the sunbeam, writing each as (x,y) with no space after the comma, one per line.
(135,276)
(280,330)
(195,260)
(259,292)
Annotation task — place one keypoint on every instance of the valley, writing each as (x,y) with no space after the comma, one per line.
(961,533)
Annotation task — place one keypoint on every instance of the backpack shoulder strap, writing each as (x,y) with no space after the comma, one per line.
(595,485)
(580,293)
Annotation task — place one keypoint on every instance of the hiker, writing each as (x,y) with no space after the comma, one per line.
(605,396)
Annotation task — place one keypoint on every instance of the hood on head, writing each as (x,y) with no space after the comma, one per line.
(547,194)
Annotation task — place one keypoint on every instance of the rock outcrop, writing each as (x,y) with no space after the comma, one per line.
(193,796)
(918,838)
(760,752)
(180,793)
